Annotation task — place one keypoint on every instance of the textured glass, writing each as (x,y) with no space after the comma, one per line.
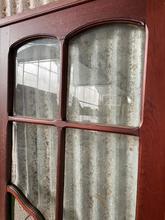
(100,176)
(18,213)
(37,79)
(34,165)
(106,66)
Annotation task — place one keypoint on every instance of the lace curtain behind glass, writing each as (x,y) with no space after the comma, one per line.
(35,147)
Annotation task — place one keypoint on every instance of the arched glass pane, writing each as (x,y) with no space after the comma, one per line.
(37,79)
(105,70)
(34,157)
(100,176)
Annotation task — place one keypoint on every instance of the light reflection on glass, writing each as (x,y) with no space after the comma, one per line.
(105,75)
(37,79)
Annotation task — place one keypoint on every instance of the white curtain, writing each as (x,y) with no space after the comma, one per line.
(35,147)
(106,70)
(34,166)
(100,176)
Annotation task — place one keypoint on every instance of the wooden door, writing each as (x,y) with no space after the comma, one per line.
(71,27)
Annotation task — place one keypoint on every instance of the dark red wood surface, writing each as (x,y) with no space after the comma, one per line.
(4,153)
(134,9)
(44,9)
(77,125)
(63,21)
(60,173)
(62,24)
(151,194)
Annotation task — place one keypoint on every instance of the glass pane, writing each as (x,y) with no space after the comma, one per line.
(100,176)
(105,75)
(37,79)
(18,213)
(34,157)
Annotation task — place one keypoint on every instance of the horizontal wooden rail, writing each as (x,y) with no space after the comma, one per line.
(76,125)
(40,11)
(30,120)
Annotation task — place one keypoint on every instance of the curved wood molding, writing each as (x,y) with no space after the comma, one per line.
(24,202)
(100,22)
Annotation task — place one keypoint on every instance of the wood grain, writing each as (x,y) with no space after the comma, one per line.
(151,194)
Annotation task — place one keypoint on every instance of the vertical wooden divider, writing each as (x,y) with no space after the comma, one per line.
(60,174)
(61,133)
(4,167)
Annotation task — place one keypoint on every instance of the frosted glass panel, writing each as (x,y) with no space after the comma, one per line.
(34,157)
(18,213)
(100,176)
(37,79)
(105,70)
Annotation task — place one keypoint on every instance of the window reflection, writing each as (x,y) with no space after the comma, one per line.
(105,75)
(37,79)
(42,75)
(88,100)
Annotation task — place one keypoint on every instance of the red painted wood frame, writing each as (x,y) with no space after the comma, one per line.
(62,20)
